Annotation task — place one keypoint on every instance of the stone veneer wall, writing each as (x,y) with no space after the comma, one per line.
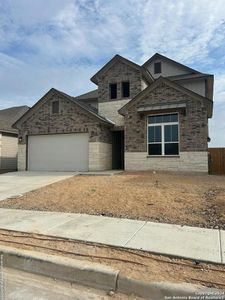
(100,156)
(21,160)
(187,161)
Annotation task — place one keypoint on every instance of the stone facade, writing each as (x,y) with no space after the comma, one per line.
(193,124)
(100,156)
(22,157)
(187,161)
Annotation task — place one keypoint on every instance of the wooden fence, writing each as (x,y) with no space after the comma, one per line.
(217,161)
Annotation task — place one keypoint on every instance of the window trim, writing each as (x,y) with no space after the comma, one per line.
(55,113)
(162,134)
(122,90)
(110,84)
(158,62)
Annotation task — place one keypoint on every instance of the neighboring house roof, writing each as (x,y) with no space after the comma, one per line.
(9,116)
(92,95)
(81,104)
(160,56)
(119,58)
(209,103)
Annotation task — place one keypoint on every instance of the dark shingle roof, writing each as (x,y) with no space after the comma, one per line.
(188,76)
(88,96)
(86,107)
(9,116)
(160,56)
(124,60)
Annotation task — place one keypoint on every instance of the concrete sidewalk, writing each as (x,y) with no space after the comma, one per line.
(179,241)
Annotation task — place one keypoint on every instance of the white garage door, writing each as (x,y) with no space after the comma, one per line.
(58,152)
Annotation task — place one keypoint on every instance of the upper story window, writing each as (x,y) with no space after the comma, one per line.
(55,107)
(163,134)
(157,68)
(113,90)
(125,89)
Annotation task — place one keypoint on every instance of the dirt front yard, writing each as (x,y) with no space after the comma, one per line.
(179,198)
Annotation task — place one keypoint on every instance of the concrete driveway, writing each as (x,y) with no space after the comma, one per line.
(17,183)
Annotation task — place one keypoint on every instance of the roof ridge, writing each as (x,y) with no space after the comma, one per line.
(85,106)
(115,57)
(162,79)
(169,59)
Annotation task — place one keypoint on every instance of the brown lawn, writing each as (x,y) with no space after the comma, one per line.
(179,198)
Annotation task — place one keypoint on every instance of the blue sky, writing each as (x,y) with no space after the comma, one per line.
(61,44)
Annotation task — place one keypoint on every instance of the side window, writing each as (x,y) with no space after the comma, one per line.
(125,89)
(113,90)
(55,107)
(157,68)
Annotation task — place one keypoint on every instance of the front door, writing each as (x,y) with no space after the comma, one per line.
(118,150)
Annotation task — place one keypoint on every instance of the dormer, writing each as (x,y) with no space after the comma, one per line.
(159,65)
(119,81)
(200,83)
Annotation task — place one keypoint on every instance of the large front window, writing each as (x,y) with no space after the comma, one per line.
(163,134)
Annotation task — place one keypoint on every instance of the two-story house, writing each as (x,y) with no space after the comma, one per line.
(149,117)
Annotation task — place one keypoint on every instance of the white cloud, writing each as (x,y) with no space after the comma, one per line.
(181,29)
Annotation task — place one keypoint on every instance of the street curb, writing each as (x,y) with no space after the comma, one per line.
(63,268)
(93,275)
(155,290)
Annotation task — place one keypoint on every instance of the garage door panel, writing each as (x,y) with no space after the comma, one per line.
(58,152)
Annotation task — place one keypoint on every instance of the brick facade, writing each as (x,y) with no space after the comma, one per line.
(71,119)
(118,73)
(193,124)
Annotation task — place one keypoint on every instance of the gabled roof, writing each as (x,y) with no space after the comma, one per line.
(119,58)
(209,79)
(172,84)
(64,95)
(91,95)
(160,56)
(188,76)
(9,116)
